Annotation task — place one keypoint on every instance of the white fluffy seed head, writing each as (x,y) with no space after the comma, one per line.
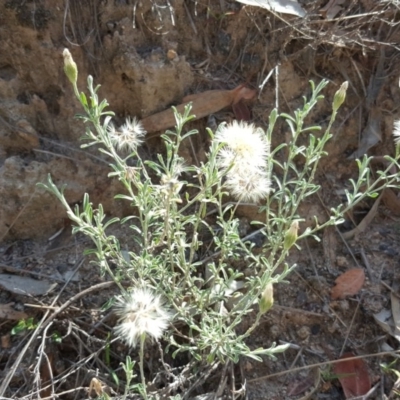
(396,132)
(141,312)
(244,157)
(128,136)
(244,142)
(246,185)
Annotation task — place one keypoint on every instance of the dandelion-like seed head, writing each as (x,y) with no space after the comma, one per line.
(131,173)
(396,132)
(141,312)
(244,141)
(127,137)
(244,158)
(170,187)
(171,184)
(247,184)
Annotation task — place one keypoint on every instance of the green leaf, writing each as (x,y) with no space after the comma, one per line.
(83,99)
(20,327)
(56,338)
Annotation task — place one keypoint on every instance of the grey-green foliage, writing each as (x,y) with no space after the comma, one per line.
(210,298)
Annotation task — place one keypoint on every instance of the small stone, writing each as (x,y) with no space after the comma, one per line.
(341,262)
(172,55)
(304,333)
(71,260)
(274,331)
(248,366)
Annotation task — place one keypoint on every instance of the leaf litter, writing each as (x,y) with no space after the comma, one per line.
(348,284)
(353,375)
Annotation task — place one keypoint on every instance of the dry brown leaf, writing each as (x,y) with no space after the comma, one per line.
(98,388)
(241,111)
(203,104)
(391,201)
(348,283)
(7,312)
(242,93)
(353,376)
(5,341)
(217,96)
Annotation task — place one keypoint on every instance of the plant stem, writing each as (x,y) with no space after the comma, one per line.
(141,358)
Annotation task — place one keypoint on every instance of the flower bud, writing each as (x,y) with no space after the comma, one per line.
(340,96)
(267,298)
(70,67)
(291,235)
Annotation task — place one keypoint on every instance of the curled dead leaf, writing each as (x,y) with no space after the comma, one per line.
(99,389)
(348,284)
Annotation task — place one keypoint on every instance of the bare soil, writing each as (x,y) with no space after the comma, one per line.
(147,56)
